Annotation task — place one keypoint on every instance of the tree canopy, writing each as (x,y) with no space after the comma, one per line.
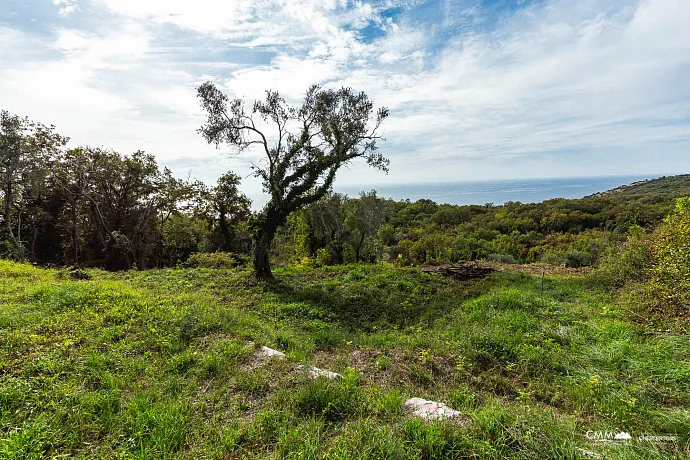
(96,207)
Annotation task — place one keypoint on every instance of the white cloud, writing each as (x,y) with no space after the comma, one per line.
(554,81)
(553,84)
(288,75)
(202,15)
(66,7)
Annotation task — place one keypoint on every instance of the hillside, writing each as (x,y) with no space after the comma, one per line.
(665,186)
(163,364)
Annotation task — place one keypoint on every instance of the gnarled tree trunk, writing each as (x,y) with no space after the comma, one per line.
(263,237)
(262,267)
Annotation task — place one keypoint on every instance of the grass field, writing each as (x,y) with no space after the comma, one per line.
(158,364)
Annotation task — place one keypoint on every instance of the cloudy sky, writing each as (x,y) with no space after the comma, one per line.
(477,89)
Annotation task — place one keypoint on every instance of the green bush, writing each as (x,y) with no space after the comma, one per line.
(502,258)
(349,256)
(323,257)
(387,234)
(212,260)
(553,258)
(577,259)
(660,260)
(628,262)
(671,250)
(372,250)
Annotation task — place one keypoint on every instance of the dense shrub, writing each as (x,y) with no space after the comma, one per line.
(574,233)
(553,258)
(671,249)
(323,257)
(213,260)
(660,260)
(628,262)
(503,258)
(577,259)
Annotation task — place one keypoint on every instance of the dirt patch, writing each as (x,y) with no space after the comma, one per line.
(531,269)
(462,271)
(538,269)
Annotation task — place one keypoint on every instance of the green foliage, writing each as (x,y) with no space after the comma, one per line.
(387,235)
(671,249)
(182,236)
(212,260)
(26,152)
(299,223)
(577,259)
(502,258)
(349,254)
(323,257)
(653,188)
(660,261)
(332,128)
(628,262)
(573,233)
(95,207)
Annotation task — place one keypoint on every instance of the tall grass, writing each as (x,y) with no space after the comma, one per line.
(157,364)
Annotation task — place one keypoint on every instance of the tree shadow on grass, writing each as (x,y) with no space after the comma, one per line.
(397,299)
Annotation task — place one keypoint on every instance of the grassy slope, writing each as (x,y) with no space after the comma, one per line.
(154,365)
(671,186)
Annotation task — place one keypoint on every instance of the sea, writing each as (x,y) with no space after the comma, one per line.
(497,191)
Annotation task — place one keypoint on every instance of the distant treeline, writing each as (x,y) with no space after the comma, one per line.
(95,207)
(574,232)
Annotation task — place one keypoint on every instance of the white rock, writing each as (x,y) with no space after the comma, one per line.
(265,352)
(430,410)
(261,357)
(315,373)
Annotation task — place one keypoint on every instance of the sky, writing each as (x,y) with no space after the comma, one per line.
(477,89)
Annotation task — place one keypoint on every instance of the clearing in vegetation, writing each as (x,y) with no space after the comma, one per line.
(159,364)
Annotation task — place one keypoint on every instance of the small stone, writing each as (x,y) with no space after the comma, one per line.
(430,410)
(315,373)
(266,353)
(261,357)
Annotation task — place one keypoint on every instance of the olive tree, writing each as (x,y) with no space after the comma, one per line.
(303,147)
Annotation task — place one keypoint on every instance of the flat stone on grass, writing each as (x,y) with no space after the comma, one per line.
(267,353)
(315,373)
(430,410)
(262,356)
